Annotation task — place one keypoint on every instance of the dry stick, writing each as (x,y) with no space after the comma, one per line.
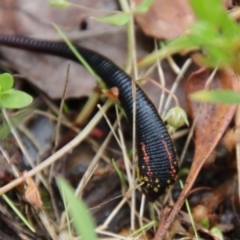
(126,159)
(114,212)
(106,202)
(175,85)
(179,134)
(47,224)
(13,166)
(173,65)
(57,136)
(86,111)
(126,162)
(109,234)
(73,143)
(128,6)
(148,71)
(164,89)
(53,108)
(31,137)
(119,117)
(161,78)
(141,212)
(52,117)
(133,197)
(112,128)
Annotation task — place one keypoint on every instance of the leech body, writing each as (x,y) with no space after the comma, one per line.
(157,161)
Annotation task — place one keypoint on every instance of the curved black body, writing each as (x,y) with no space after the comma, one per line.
(158,162)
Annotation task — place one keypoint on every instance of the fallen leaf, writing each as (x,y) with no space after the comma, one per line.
(211,118)
(31,192)
(168,19)
(35,18)
(165,19)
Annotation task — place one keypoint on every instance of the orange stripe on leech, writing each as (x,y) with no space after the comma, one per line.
(146,159)
(169,154)
(145,155)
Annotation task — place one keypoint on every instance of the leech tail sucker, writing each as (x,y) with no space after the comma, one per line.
(158,161)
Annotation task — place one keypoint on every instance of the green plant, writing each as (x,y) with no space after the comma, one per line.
(217,35)
(81,219)
(10,97)
(122,18)
(59,3)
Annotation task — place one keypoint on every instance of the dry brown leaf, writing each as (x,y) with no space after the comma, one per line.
(35,18)
(211,118)
(168,19)
(165,19)
(31,192)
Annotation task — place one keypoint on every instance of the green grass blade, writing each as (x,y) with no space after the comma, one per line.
(217,96)
(82,220)
(18,213)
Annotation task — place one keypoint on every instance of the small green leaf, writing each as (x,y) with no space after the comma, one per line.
(180,44)
(59,3)
(176,117)
(15,99)
(183,172)
(215,15)
(6,81)
(204,11)
(217,232)
(81,218)
(118,19)
(203,33)
(205,223)
(144,6)
(216,96)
